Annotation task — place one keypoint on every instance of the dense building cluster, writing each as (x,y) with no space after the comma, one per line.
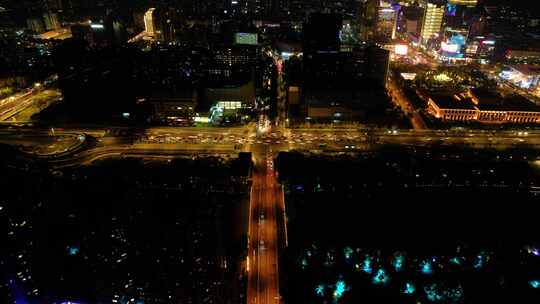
(269,151)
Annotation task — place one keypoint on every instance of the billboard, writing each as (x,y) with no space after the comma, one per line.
(401,49)
(449,47)
(245,38)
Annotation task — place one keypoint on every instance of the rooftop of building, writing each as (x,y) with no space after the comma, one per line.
(488,101)
(486,96)
(518,103)
(452,102)
(527,69)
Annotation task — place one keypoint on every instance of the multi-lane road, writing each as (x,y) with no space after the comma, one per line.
(403,102)
(266,217)
(246,139)
(263,285)
(11,106)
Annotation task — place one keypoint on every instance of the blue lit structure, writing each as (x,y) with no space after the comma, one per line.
(340,289)
(72,250)
(381,277)
(398,262)
(303,263)
(454,294)
(534,284)
(348,252)
(366,265)
(17,292)
(319,290)
(456,261)
(451,9)
(448,295)
(426,268)
(432,293)
(329,261)
(480,260)
(409,288)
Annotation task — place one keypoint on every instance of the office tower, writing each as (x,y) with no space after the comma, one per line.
(35,25)
(51,21)
(149,22)
(410,21)
(460,14)
(321,34)
(432,21)
(367,18)
(386,22)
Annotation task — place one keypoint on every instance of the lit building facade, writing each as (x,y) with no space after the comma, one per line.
(35,25)
(459,15)
(386,21)
(367,18)
(470,3)
(461,108)
(51,21)
(149,22)
(432,21)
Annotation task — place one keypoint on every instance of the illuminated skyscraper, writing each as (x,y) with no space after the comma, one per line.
(35,25)
(51,21)
(386,21)
(459,14)
(432,21)
(367,18)
(149,22)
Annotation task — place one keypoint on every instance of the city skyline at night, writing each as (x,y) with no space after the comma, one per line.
(269,151)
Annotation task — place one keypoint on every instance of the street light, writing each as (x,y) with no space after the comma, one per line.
(37,84)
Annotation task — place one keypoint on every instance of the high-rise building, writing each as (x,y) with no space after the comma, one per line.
(460,14)
(377,65)
(432,21)
(367,18)
(160,23)
(53,5)
(35,25)
(410,20)
(386,22)
(168,24)
(51,21)
(149,22)
(82,32)
(322,34)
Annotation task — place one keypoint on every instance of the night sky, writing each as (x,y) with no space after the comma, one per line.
(518,3)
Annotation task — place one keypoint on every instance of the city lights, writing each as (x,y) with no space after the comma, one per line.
(401,49)
(409,288)
(381,277)
(426,268)
(267,151)
(398,262)
(340,289)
